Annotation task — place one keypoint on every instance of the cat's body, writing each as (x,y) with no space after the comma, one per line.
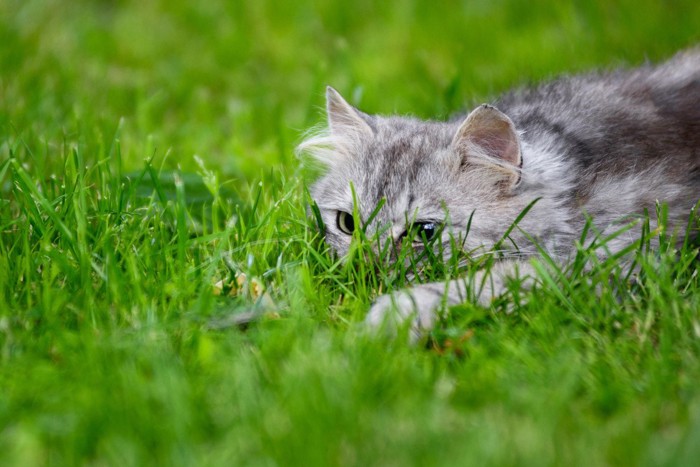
(608,145)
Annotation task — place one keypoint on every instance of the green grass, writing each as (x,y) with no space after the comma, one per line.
(146,152)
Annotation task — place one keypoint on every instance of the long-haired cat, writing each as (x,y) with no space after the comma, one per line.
(605,145)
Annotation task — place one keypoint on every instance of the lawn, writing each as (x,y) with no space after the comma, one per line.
(150,201)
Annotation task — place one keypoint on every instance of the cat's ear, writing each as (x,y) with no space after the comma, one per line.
(488,135)
(345,120)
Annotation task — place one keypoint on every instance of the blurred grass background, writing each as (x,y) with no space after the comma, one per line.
(105,299)
(236,82)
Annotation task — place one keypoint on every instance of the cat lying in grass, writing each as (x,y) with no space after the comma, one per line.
(608,146)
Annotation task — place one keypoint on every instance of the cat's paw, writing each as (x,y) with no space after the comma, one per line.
(415,308)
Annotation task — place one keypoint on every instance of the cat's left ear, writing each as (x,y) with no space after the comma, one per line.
(345,120)
(487,135)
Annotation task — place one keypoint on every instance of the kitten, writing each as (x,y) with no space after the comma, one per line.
(607,145)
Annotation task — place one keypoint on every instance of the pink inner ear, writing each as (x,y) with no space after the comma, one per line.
(499,141)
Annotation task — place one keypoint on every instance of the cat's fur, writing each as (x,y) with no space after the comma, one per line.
(609,145)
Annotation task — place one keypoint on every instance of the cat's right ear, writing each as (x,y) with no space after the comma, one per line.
(344,120)
(488,136)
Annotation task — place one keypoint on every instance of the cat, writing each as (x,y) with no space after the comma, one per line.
(605,145)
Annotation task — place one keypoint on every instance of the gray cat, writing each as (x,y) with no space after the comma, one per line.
(606,145)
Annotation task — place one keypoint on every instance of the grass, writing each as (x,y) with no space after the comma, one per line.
(146,153)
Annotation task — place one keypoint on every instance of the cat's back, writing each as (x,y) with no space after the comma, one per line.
(623,140)
(617,121)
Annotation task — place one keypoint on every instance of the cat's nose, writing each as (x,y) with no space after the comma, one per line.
(398,237)
(387,247)
(397,234)
(389,242)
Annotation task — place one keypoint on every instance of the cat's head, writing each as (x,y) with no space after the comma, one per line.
(432,179)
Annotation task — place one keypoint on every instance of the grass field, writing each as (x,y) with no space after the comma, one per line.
(146,154)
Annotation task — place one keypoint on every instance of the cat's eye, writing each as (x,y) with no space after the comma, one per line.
(345,222)
(425,230)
